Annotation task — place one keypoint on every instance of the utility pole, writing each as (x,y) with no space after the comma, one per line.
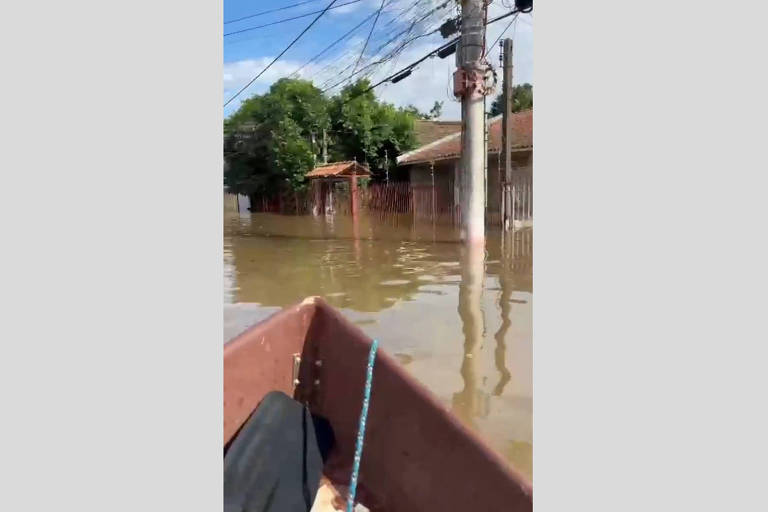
(469,84)
(314,151)
(506,132)
(485,152)
(325,147)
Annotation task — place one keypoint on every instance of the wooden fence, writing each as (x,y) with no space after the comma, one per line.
(522,198)
(426,202)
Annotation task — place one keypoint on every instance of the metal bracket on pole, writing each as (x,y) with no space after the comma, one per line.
(473,83)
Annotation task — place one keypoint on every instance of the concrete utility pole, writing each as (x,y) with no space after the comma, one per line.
(325,147)
(506,132)
(469,84)
(314,151)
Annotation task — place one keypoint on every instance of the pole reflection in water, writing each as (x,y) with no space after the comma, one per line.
(356,235)
(468,403)
(500,353)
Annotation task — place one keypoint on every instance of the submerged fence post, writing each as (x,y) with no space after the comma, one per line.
(530,199)
(432,172)
(353,194)
(514,202)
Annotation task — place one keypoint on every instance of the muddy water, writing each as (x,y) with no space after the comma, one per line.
(460,322)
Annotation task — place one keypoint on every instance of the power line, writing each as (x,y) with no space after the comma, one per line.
(367,66)
(288,19)
(281,53)
(398,51)
(247,39)
(402,47)
(392,54)
(333,44)
(389,56)
(403,12)
(409,67)
(395,53)
(378,13)
(268,11)
(404,72)
(492,46)
(494,20)
(326,89)
(351,52)
(413,24)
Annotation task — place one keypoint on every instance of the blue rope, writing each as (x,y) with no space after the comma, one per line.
(361,427)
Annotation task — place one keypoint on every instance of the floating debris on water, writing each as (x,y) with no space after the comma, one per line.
(395,282)
(403,358)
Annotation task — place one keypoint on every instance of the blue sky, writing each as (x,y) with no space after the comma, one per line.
(245,54)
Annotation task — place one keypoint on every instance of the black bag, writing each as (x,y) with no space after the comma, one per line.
(275,461)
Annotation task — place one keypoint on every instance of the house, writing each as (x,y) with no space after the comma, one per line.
(427,131)
(435,174)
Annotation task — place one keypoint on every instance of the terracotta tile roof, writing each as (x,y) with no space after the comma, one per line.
(429,131)
(449,147)
(339,169)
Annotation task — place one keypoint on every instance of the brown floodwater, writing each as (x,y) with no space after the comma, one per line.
(459,321)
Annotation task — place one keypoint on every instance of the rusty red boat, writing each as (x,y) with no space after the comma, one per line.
(417,456)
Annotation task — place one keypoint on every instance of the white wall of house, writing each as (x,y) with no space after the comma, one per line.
(447,183)
(236,203)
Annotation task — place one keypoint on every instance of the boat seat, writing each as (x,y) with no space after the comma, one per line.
(274,463)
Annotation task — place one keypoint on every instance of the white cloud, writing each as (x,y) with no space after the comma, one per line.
(239,73)
(346,9)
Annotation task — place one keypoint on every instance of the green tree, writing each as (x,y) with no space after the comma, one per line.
(292,153)
(368,130)
(415,112)
(268,140)
(522,99)
(435,112)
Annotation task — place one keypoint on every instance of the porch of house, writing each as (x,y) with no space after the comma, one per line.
(436,188)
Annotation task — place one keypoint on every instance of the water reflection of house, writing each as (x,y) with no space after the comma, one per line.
(434,170)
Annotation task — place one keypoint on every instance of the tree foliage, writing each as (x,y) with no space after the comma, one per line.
(268,141)
(368,130)
(522,99)
(435,112)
